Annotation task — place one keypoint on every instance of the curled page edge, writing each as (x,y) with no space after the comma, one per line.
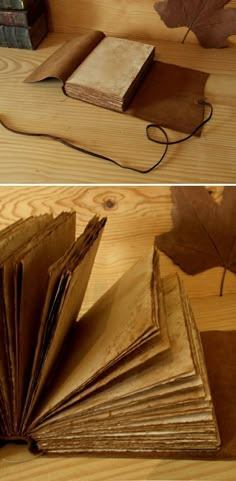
(62,63)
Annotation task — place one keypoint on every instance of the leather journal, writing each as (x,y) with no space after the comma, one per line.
(132,376)
(122,75)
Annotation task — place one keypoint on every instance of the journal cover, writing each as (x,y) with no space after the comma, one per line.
(112,73)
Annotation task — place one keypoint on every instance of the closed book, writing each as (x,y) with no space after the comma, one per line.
(104,71)
(16,4)
(122,64)
(22,37)
(22,18)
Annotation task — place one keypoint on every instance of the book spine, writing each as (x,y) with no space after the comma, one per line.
(10,37)
(3,40)
(38,31)
(13,18)
(20,37)
(23,38)
(15,4)
(24,18)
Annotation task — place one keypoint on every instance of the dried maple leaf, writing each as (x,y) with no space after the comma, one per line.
(208,19)
(204,232)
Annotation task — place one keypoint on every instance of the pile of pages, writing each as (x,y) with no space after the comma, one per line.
(128,377)
(110,75)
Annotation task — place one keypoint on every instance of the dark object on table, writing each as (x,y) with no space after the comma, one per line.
(16,4)
(22,18)
(21,37)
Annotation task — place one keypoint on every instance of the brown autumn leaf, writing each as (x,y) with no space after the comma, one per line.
(208,19)
(204,232)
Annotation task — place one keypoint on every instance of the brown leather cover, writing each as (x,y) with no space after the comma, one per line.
(62,63)
(220,354)
(168,95)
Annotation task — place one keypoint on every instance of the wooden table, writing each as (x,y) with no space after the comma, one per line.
(44,108)
(135,216)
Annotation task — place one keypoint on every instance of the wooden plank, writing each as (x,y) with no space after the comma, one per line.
(210,159)
(126,18)
(135,215)
(215,312)
(16,459)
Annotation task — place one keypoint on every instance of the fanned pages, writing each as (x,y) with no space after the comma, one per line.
(128,377)
(44,275)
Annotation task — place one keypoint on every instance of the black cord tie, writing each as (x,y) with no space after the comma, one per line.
(200,102)
(166,143)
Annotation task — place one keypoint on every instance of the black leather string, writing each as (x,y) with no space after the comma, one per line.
(200,102)
(166,143)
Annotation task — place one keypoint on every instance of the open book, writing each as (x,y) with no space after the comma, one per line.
(121,75)
(128,377)
(105,71)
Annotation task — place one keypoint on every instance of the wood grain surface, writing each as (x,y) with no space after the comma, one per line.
(135,18)
(43,108)
(135,216)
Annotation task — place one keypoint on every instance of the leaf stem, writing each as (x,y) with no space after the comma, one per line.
(222,282)
(186,35)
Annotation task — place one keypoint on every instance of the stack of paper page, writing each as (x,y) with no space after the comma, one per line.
(111,73)
(129,377)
